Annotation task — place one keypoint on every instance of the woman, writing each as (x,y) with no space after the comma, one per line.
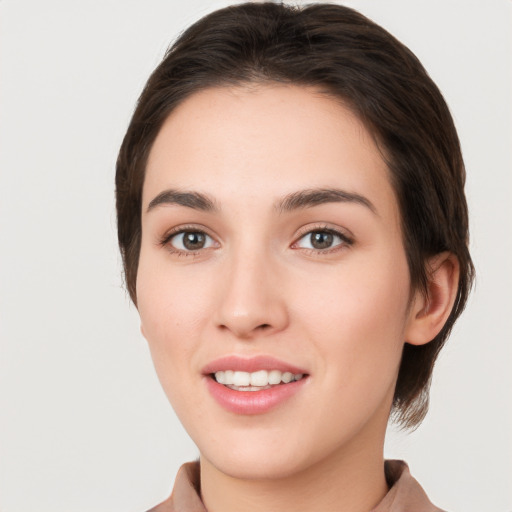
(294,233)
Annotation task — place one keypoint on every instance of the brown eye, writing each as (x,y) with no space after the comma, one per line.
(322,239)
(191,241)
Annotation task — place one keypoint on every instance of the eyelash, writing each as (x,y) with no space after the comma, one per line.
(346,241)
(166,240)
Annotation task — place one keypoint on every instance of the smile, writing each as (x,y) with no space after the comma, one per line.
(255,385)
(255,381)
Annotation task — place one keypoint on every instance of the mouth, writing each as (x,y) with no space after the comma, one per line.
(252,386)
(254,381)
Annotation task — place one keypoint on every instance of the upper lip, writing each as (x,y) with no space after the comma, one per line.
(250,364)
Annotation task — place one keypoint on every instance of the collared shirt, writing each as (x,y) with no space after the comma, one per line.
(405,493)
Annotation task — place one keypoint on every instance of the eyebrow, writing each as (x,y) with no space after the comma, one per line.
(294,201)
(195,200)
(314,197)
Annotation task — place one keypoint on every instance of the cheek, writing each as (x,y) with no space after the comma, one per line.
(357,295)
(356,318)
(172,310)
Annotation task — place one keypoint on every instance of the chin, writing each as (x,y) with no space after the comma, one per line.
(259,454)
(258,464)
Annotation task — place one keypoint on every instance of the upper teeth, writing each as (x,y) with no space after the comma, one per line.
(259,378)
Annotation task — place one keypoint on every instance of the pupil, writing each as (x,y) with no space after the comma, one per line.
(194,240)
(321,239)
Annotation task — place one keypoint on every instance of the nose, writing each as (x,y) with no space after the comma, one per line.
(252,299)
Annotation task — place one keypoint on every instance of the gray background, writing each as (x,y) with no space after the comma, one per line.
(84,425)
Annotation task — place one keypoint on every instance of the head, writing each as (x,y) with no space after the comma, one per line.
(339,56)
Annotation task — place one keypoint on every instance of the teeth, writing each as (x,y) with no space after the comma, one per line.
(287,377)
(241,379)
(274,377)
(259,379)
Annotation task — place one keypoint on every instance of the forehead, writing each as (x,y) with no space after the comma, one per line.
(267,140)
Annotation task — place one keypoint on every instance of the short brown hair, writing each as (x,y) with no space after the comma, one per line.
(340,51)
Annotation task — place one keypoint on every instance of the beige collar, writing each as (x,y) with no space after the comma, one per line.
(405,493)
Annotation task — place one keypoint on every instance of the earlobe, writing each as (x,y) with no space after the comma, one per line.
(429,311)
(142,331)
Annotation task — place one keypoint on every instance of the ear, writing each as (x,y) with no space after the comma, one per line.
(429,312)
(142,331)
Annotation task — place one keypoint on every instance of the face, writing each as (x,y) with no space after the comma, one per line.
(273,286)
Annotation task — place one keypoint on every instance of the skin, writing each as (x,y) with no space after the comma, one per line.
(258,287)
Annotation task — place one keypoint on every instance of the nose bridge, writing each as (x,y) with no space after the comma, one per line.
(251,300)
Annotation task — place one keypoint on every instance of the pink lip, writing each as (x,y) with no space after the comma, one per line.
(252,364)
(251,402)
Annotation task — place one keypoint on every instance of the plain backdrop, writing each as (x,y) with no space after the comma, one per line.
(84,425)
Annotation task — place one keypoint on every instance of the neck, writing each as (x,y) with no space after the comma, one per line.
(343,482)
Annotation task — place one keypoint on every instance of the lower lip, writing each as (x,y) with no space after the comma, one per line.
(252,402)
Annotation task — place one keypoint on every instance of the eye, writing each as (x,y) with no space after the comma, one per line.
(322,240)
(190,241)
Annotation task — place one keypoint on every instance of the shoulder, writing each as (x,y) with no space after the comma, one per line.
(405,493)
(185,496)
